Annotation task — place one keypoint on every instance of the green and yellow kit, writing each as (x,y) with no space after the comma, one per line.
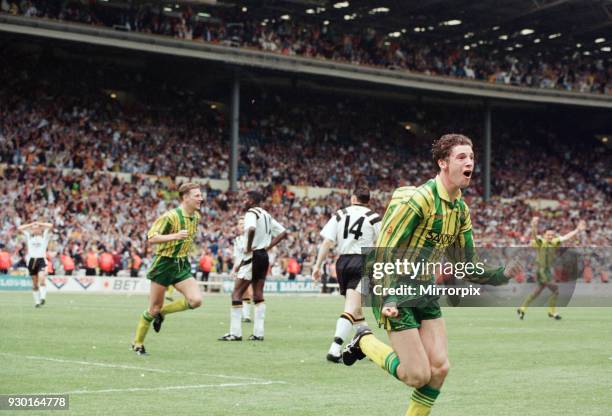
(546,252)
(422,224)
(171,263)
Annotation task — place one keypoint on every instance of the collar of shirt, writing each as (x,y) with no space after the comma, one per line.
(444,193)
(192,218)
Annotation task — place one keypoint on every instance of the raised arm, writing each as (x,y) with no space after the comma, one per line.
(25,227)
(534,228)
(572,234)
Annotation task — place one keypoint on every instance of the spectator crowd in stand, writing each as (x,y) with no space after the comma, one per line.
(102,171)
(573,71)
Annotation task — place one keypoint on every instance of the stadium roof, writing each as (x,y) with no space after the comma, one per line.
(582,26)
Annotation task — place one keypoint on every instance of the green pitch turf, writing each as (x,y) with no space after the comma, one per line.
(78,344)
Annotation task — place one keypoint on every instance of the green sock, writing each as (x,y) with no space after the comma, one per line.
(391,363)
(422,400)
(527,301)
(143,326)
(552,303)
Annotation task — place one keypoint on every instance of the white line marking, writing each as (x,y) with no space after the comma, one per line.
(133,367)
(192,386)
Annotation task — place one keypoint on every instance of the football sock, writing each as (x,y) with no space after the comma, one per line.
(344,326)
(260,315)
(43,292)
(422,400)
(552,303)
(143,326)
(169,291)
(380,353)
(526,302)
(176,306)
(247,308)
(235,318)
(36,296)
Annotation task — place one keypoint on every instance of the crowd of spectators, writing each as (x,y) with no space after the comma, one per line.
(107,213)
(101,171)
(360,46)
(314,141)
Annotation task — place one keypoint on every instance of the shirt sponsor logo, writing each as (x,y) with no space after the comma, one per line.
(444,239)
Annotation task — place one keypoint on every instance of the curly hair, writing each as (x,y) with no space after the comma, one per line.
(443,147)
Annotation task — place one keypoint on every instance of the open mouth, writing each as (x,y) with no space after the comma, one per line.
(467,174)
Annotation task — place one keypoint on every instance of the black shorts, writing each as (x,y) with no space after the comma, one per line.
(261,262)
(349,268)
(36,265)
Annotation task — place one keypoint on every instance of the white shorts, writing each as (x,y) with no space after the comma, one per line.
(245,272)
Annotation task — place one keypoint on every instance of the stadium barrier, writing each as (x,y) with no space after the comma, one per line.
(299,191)
(102,284)
(595,293)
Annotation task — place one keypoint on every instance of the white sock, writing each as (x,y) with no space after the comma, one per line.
(43,292)
(260,316)
(235,321)
(344,327)
(247,309)
(36,296)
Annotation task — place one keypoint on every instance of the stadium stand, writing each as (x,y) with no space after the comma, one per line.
(588,72)
(101,169)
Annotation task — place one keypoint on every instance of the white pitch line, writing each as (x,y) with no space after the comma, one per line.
(192,386)
(132,367)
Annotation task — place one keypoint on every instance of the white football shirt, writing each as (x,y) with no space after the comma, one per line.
(266,228)
(352,228)
(37,244)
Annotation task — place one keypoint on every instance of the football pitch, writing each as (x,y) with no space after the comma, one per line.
(79,345)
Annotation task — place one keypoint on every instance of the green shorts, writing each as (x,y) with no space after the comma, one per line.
(409,317)
(169,270)
(544,276)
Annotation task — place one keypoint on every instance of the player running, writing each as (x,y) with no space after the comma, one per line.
(261,233)
(430,220)
(546,251)
(37,236)
(352,229)
(173,234)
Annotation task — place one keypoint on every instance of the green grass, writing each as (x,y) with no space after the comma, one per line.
(499,365)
